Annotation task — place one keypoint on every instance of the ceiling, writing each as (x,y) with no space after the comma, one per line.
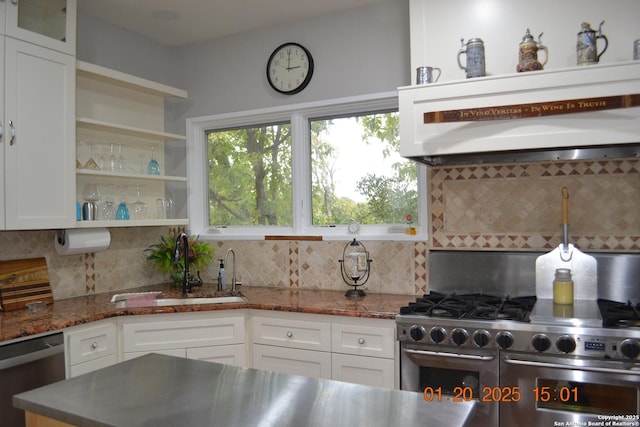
(178,23)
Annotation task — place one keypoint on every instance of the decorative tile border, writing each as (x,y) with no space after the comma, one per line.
(607,172)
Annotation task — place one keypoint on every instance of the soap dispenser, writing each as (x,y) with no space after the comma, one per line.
(222,277)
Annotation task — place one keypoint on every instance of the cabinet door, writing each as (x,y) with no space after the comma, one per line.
(309,363)
(48,23)
(363,370)
(234,355)
(39,137)
(90,347)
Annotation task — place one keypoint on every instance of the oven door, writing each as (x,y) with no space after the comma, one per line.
(454,375)
(558,390)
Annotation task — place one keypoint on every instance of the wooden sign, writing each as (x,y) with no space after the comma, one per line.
(23,281)
(537,109)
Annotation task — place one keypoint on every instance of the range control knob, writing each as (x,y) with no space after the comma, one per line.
(504,339)
(417,332)
(481,337)
(541,342)
(630,348)
(459,336)
(566,344)
(437,334)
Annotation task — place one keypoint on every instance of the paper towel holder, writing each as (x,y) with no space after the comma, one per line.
(78,241)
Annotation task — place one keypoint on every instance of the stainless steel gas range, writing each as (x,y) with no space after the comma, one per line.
(528,362)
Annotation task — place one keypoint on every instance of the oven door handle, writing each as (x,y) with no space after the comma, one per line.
(442,354)
(560,366)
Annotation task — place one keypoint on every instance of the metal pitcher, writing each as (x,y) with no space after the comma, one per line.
(528,58)
(474,50)
(586,47)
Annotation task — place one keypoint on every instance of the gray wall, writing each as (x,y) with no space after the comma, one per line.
(359,51)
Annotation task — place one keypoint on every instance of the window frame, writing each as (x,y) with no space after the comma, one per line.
(298,115)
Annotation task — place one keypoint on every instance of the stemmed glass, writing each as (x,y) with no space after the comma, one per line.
(139,208)
(122,213)
(120,162)
(153,167)
(91,163)
(113,160)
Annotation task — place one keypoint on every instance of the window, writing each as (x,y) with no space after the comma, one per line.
(309,169)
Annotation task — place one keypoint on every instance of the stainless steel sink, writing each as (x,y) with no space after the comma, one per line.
(196,300)
(163,302)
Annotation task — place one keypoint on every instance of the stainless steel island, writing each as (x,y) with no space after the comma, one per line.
(158,390)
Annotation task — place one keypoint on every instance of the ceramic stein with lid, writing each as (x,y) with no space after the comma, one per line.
(528,49)
(586,46)
(474,50)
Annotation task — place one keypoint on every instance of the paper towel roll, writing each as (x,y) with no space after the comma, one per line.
(80,241)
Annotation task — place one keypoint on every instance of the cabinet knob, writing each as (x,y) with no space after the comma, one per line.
(94,345)
(361,341)
(289,334)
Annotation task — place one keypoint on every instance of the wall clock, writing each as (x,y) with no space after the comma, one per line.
(290,68)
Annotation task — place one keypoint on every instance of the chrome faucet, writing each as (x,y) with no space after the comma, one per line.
(187,282)
(233,276)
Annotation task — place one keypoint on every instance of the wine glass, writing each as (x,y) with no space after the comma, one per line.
(91,163)
(120,162)
(153,167)
(112,163)
(139,208)
(122,213)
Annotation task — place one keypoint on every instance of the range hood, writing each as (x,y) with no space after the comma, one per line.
(587,112)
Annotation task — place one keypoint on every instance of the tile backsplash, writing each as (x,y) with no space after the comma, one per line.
(484,207)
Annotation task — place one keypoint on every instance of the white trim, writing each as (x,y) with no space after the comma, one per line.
(298,115)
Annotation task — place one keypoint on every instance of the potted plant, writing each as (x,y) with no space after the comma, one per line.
(161,255)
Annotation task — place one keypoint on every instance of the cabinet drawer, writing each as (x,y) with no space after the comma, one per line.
(91,343)
(377,341)
(293,333)
(316,364)
(168,334)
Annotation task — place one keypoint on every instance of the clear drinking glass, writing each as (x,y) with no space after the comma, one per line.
(161,212)
(112,162)
(153,167)
(139,208)
(120,161)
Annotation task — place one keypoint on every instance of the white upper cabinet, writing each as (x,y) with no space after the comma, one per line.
(38,140)
(47,23)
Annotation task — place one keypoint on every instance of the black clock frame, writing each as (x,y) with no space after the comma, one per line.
(307,79)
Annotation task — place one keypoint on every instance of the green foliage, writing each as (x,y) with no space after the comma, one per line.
(250,172)
(161,254)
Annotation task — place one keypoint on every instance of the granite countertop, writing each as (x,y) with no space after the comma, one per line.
(159,390)
(75,311)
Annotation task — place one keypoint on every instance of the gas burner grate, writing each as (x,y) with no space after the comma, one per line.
(477,306)
(619,314)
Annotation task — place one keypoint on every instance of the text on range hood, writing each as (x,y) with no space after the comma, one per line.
(599,130)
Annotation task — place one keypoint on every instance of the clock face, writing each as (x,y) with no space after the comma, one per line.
(290,68)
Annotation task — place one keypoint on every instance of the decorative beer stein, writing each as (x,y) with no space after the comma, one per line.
(586,47)
(529,53)
(474,50)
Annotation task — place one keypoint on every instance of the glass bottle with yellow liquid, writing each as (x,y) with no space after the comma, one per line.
(563,287)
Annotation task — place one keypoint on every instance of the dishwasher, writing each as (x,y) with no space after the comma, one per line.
(27,364)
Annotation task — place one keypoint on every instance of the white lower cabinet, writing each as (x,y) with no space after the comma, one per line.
(347,349)
(355,350)
(90,347)
(214,336)
(371,371)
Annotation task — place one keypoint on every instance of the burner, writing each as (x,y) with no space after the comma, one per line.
(471,306)
(619,314)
